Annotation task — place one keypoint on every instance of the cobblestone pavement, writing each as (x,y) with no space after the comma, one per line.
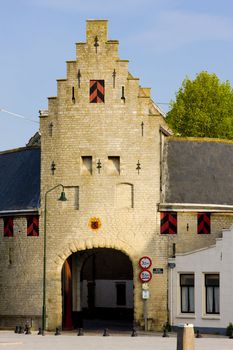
(12,341)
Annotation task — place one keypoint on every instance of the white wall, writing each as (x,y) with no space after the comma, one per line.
(105,293)
(215,259)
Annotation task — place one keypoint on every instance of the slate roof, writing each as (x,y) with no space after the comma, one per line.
(20,179)
(194,171)
(198,171)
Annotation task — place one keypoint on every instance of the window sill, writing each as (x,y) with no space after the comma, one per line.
(193,316)
(211,317)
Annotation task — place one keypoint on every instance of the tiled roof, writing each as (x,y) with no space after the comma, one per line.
(20,179)
(198,171)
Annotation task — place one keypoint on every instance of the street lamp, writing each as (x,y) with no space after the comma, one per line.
(63,199)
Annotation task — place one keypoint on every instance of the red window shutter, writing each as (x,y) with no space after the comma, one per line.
(164,224)
(168,223)
(172,223)
(8,226)
(33,226)
(96,91)
(203,223)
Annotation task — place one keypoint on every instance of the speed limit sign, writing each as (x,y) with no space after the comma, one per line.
(145,262)
(145,276)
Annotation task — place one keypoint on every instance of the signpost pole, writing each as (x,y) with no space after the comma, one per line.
(145,314)
(145,276)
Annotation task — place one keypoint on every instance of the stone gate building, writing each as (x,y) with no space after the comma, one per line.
(132,191)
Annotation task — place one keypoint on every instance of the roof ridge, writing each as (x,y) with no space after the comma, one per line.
(19,149)
(199,139)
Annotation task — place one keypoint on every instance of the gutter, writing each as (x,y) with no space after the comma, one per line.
(190,207)
(18,212)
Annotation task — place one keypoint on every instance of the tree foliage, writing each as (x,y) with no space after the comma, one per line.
(203,108)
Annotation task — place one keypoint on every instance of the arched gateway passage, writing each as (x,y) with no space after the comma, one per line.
(97,289)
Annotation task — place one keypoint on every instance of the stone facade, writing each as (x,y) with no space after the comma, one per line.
(100,131)
(20,279)
(109,158)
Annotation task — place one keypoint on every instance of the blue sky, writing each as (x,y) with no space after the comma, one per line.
(165,41)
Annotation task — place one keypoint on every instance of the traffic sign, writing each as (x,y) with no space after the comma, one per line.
(145,262)
(145,286)
(145,294)
(158,270)
(145,276)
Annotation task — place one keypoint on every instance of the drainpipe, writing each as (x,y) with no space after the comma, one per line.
(171,298)
(171,265)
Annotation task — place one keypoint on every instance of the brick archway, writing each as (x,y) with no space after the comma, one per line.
(55,294)
(95,242)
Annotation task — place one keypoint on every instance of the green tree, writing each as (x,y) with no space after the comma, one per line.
(203,108)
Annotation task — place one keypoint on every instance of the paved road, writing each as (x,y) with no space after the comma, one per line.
(9,340)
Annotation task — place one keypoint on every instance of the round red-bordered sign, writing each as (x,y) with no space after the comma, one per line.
(145,262)
(145,276)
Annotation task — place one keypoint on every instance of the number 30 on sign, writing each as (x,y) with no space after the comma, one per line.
(145,276)
(145,262)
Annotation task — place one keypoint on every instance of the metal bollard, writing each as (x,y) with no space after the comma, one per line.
(231,334)
(80,332)
(27,329)
(198,334)
(106,333)
(39,331)
(185,337)
(16,329)
(21,331)
(57,332)
(165,333)
(134,333)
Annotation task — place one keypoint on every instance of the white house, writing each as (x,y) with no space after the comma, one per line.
(201,285)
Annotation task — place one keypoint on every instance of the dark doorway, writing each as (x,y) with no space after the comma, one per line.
(97,290)
(121,294)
